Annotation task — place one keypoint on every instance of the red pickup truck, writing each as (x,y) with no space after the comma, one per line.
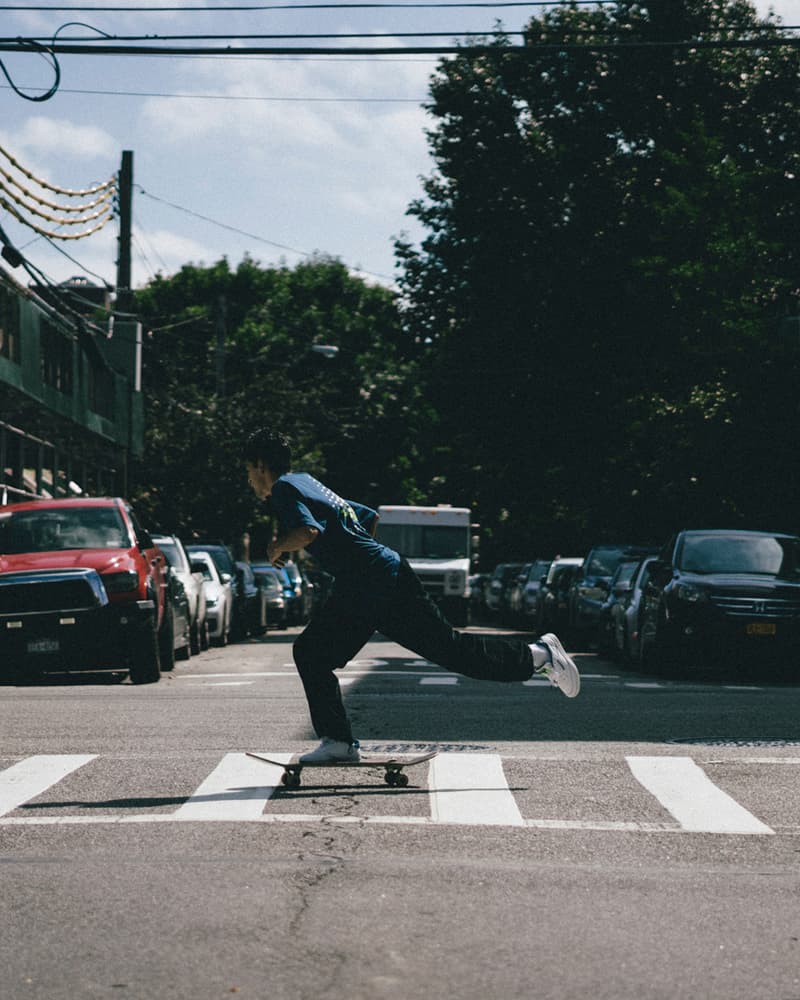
(82,587)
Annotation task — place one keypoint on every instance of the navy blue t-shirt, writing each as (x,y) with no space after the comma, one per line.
(344,547)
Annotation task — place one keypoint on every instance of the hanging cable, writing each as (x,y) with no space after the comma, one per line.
(85,192)
(11,209)
(83,220)
(250,236)
(27,45)
(88,206)
(217,9)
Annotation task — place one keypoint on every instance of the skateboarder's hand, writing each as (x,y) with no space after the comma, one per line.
(276,557)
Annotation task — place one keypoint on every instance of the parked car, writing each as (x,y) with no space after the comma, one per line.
(250,612)
(82,587)
(618,592)
(219,597)
(512,599)
(272,584)
(302,593)
(552,613)
(287,587)
(589,589)
(477,590)
(498,583)
(730,592)
(532,589)
(626,614)
(225,563)
(180,571)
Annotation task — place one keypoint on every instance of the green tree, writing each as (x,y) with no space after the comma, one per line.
(228,350)
(611,241)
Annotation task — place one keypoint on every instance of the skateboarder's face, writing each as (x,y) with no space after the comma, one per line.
(260,478)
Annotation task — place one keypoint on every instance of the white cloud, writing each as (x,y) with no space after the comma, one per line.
(44,137)
(165,251)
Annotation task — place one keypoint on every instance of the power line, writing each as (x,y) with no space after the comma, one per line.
(250,236)
(243,97)
(766,42)
(215,9)
(284,37)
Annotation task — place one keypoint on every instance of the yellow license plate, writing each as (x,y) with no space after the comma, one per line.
(762,628)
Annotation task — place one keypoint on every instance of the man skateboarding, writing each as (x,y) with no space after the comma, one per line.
(374,590)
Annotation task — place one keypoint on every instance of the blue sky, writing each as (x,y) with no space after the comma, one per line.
(299,155)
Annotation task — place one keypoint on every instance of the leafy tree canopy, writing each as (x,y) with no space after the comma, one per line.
(611,243)
(228,350)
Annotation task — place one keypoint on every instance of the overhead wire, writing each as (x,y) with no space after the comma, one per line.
(12,210)
(251,236)
(10,179)
(761,42)
(81,193)
(27,201)
(245,97)
(242,8)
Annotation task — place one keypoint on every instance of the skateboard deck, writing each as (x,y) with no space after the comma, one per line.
(393,766)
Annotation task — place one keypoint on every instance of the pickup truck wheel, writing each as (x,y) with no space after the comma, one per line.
(145,667)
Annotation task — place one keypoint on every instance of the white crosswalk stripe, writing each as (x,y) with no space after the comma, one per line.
(472,788)
(461,788)
(237,789)
(686,791)
(31,777)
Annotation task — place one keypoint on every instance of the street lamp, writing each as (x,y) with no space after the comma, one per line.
(326,350)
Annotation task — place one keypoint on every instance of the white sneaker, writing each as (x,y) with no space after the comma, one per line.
(561,671)
(333,752)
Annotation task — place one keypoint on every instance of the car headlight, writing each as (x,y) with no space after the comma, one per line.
(690,592)
(121,583)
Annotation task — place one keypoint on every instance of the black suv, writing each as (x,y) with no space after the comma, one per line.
(722,591)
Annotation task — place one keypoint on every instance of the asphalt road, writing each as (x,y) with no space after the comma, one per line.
(642,841)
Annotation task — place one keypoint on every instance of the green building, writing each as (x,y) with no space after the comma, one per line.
(70,393)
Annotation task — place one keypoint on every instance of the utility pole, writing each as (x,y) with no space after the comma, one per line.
(125,195)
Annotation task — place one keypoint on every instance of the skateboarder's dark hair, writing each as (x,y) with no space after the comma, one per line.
(271,448)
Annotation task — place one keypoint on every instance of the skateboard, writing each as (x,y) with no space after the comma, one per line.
(393,766)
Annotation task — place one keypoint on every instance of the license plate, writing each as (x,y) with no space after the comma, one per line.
(43,646)
(762,628)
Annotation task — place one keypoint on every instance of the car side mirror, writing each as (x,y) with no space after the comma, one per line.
(225,577)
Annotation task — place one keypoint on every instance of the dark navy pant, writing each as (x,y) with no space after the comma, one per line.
(407,616)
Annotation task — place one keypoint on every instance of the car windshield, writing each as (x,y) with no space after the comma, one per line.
(204,566)
(219,554)
(625,572)
(751,554)
(604,560)
(172,554)
(58,529)
(441,541)
(538,570)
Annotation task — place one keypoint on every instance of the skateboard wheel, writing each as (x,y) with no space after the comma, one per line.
(390,778)
(400,779)
(290,780)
